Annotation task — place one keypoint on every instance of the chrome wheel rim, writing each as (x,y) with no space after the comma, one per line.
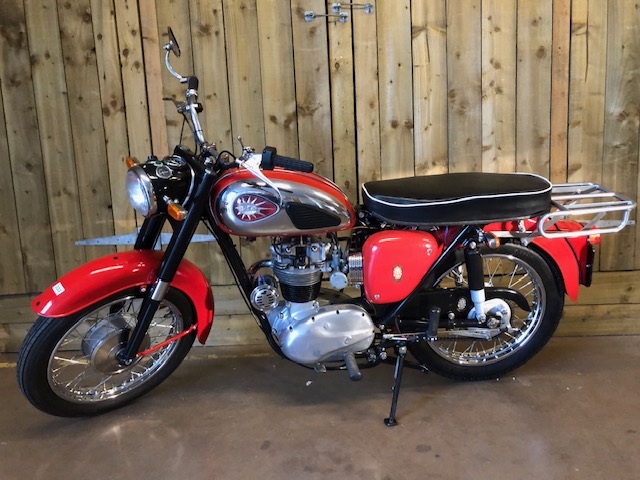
(504,271)
(83,368)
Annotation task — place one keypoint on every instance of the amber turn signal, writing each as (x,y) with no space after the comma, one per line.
(130,162)
(491,240)
(176,211)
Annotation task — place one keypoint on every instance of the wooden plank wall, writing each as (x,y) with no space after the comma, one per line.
(417,87)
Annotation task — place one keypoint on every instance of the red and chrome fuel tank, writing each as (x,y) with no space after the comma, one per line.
(308,204)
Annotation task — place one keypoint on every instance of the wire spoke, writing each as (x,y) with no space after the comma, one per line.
(501,271)
(83,367)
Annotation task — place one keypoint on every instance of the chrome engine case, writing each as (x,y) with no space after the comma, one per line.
(310,334)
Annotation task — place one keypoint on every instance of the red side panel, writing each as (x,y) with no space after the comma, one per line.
(395,262)
(100,278)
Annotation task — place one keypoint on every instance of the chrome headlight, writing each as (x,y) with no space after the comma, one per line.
(155,184)
(141,194)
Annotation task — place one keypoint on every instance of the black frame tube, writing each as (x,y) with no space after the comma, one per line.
(243,279)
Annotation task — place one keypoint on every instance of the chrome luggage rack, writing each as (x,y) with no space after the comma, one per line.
(597,209)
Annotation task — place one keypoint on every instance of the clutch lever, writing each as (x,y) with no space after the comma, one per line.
(180,106)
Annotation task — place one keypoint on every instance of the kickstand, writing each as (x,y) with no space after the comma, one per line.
(391,421)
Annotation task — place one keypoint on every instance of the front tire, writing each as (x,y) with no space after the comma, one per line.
(512,267)
(67,366)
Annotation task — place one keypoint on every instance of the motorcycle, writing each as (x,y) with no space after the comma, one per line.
(465,271)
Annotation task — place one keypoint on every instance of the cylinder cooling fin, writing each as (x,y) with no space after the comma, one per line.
(299,285)
(356,270)
(298,265)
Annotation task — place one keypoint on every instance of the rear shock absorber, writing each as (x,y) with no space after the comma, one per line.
(473,259)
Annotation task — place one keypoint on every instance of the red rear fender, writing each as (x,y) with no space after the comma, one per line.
(565,259)
(100,278)
(569,255)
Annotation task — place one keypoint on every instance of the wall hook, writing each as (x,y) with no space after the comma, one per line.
(337,6)
(310,16)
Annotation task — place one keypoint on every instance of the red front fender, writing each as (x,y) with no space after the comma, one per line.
(100,278)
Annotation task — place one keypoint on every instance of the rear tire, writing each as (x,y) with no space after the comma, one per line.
(516,268)
(67,366)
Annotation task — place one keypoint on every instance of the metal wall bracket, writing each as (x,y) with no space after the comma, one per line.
(130,239)
(310,16)
(337,7)
(338,14)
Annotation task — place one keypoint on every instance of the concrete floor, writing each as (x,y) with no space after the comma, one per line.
(572,412)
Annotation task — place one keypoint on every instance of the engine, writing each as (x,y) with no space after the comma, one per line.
(299,267)
(310,331)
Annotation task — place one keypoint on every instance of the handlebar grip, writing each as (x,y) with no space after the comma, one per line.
(192,83)
(271,159)
(293,164)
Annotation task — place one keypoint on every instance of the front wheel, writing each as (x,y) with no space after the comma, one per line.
(67,366)
(511,268)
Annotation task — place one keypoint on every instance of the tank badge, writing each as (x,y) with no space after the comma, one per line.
(250,208)
(397,273)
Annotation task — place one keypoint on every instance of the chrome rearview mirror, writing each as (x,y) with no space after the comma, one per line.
(172,46)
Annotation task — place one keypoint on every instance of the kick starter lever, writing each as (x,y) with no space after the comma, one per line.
(352,366)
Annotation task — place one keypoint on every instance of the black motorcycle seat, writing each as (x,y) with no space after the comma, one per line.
(458,198)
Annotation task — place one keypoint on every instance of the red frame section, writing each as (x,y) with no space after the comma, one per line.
(395,261)
(100,278)
(310,179)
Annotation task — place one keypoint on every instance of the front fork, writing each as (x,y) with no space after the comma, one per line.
(182,235)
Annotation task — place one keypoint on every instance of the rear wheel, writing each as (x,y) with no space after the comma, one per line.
(509,267)
(67,366)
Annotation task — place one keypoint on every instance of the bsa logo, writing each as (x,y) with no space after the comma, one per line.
(397,273)
(251,208)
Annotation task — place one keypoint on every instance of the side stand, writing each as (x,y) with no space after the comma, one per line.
(391,421)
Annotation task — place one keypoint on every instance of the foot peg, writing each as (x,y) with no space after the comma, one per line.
(434,323)
(352,366)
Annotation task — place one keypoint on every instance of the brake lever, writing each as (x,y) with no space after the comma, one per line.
(251,162)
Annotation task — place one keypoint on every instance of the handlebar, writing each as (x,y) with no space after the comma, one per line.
(271,159)
(193,107)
